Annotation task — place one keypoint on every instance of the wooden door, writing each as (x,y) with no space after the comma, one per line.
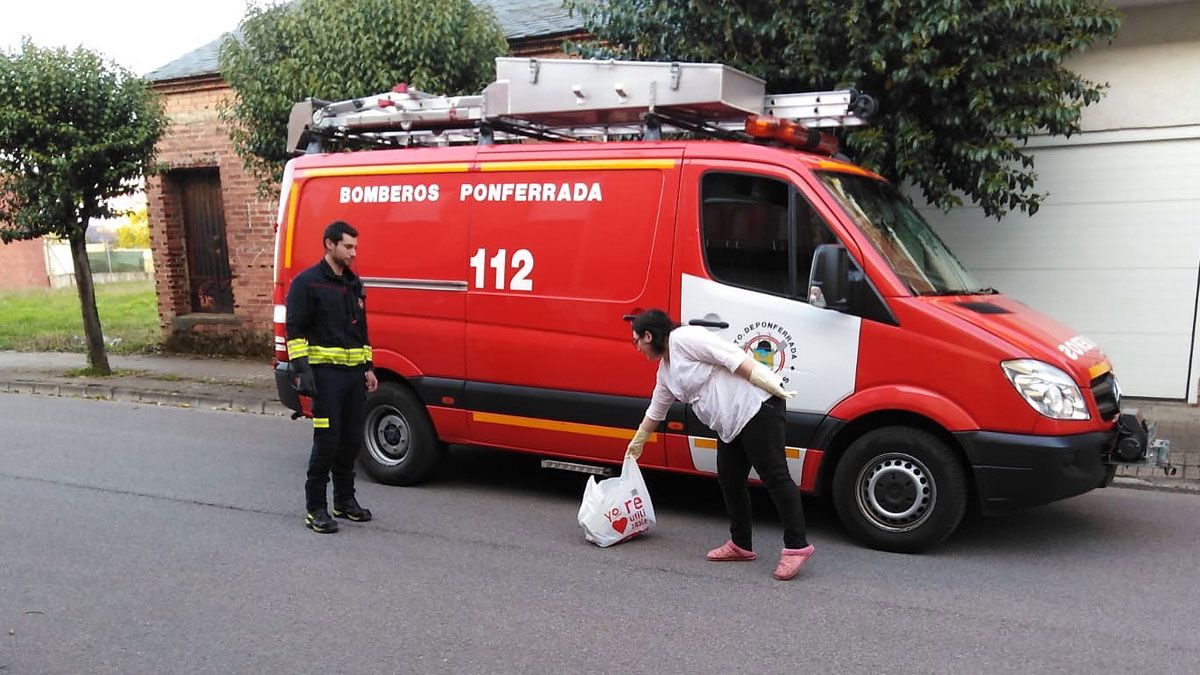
(209,277)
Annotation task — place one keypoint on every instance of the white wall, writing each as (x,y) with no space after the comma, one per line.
(60,267)
(1152,68)
(1114,252)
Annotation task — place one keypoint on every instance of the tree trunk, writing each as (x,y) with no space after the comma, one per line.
(97,358)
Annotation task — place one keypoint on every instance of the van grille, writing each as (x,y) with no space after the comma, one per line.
(1104,390)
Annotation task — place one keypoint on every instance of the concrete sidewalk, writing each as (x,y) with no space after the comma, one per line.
(249,386)
(223,384)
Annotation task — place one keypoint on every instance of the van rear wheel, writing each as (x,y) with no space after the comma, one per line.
(900,489)
(400,446)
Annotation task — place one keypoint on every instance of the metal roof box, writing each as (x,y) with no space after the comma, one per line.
(572,92)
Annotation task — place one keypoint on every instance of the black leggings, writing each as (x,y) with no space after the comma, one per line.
(760,445)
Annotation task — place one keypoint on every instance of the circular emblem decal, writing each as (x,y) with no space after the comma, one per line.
(770,344)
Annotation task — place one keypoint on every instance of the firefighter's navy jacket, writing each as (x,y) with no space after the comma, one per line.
(327,318)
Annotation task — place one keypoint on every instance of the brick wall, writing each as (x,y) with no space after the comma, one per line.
(23,265)
(198,140)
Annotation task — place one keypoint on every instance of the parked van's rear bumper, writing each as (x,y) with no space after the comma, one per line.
(1013,471)
(283,384)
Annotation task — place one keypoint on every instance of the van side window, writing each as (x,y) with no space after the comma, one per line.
(745,233)
(744,223)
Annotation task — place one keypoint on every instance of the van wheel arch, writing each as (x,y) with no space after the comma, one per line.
(400,444)
(853,430)
(947,459)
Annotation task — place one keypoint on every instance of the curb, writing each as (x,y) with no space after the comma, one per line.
(1165,485)
(105,392)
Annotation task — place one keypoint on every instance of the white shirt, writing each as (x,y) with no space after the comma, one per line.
(700,372)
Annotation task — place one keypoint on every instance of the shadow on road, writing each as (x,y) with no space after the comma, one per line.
(1058,527)
(1084,522)
(482,470)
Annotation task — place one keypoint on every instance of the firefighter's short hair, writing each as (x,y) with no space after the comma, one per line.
(335,230)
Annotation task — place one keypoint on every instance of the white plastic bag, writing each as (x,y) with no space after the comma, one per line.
(616,509)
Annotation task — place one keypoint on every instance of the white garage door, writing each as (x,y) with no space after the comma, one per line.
(1114,251)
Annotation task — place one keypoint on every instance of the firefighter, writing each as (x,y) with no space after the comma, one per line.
(328,349)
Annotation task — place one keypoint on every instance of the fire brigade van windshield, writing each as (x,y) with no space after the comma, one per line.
(498,275)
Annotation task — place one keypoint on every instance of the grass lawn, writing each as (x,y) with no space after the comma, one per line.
(49,319)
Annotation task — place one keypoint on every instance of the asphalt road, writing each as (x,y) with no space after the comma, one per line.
(139,539)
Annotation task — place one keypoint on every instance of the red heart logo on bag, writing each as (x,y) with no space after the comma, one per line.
(619,524)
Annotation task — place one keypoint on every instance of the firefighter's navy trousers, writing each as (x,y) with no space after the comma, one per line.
(337,434)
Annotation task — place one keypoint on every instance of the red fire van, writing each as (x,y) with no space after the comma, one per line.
(497,277)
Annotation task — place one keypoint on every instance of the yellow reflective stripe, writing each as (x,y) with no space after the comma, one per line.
(338,356)
(367,351)
(291,225)
(320,422)
(335,361)
(381,170)
(347,357)
(297,348)
(579,165)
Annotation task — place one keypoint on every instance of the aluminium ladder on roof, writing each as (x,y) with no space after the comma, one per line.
(571,99)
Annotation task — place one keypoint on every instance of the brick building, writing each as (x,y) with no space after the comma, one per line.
(211,234)
(23,265)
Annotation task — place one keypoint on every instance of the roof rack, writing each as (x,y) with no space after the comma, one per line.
(580,100)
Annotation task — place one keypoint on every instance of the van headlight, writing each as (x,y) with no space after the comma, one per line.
(1046,389)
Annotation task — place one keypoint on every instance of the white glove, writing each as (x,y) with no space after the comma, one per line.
(635,446)
(767,381)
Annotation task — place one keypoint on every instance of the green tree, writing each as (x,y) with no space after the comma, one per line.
(961,85)
(339,49)
(135,231)
(75,131)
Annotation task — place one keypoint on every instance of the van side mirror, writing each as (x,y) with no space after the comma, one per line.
(829,280)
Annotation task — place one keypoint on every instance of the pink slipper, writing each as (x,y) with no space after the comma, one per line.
(730,551)
(790,562)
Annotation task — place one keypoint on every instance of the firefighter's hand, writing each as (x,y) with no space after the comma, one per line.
(306,383)
(634,449)
(372,381)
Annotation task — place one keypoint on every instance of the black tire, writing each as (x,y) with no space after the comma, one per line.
(900,489)
(400,446)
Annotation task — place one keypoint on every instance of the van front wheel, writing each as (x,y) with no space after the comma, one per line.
(400,446)
(900,489)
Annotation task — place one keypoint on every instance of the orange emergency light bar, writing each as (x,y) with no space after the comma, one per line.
(762,126)
(792,134)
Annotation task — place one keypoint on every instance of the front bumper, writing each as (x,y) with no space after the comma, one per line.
(1014,471)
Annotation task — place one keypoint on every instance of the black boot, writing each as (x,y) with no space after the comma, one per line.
(319,521)
(350,510)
